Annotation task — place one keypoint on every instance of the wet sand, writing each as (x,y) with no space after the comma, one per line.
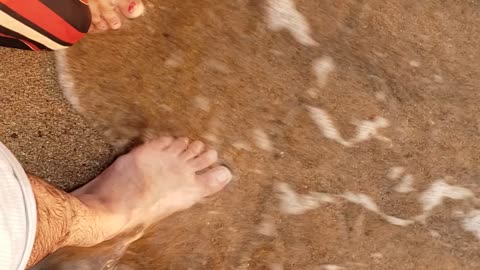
(341,137)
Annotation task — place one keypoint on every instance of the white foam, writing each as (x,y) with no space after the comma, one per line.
(368,129)
(381,96)
(414,63)
(433,196)
(262,140)
(368,203)
(66,79)
(471,223)
(210,137)
(323,197)
(267,227)
(296,204)
(313,92)
(395,172)
(406,184)
(398,221)
(201,102)
(328,129)
(380,54)
(437,78)
(376,255)
(218,66)
(330,267)
(293,203)
(363,200)
(151,29)
(282,14)
(257,171)
(276,266)
(277,52)
(242,145)
(322,67)
(434,234)
(174,60)
(165,107)
(457,213)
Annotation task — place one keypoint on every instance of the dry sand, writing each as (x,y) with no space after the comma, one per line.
(40,127)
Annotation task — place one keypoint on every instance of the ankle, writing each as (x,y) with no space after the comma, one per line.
(62,220)
(97,220)
(82,225)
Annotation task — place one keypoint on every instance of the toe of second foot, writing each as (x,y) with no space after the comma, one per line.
(131,8)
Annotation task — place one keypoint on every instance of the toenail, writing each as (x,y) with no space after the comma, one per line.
(131,7)
(223,175)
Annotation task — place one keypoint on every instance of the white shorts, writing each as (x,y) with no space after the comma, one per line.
(18,213)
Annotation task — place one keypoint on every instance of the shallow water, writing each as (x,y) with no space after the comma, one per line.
(351,125)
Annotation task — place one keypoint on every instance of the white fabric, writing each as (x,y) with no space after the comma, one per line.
(17,213)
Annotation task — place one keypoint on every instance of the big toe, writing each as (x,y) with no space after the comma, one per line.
(131,8)
(213,180)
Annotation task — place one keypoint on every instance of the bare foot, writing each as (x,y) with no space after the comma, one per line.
(151,182)
(107,14)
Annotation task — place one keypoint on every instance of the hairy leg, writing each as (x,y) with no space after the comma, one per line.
(153,181)
(62,220)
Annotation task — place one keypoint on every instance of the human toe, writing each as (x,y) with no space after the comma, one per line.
(213,180)
(131,8)
(193,150)
(178,146)
(204,160)
(112,19)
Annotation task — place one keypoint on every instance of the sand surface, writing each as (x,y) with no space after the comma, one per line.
(48,137)
(352,127)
